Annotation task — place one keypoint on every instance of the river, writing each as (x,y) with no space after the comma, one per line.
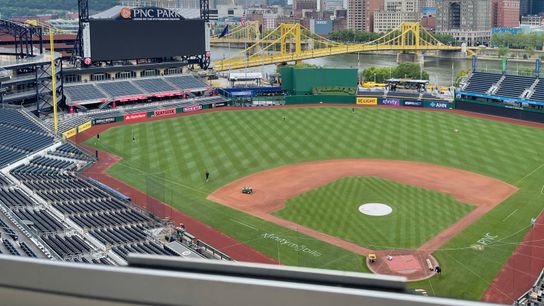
(439,69)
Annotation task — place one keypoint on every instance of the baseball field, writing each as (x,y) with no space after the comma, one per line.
(453,182)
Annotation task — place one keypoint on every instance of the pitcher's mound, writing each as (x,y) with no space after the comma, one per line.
(375,209)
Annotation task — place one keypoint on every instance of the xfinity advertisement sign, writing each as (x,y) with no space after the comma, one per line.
(148,13)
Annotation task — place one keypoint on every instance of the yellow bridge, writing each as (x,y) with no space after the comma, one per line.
(294,43)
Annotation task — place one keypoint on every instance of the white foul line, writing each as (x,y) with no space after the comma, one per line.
(510,215)
(246,225)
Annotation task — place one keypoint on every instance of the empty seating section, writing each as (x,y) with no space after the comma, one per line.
(6,230)
(69,151)
(101,261)
(513,86)
(154,85)
(32,169)
(27,250)
(58,183)
(30,141)
(113,90)
(481,82)
(119,89)
(538,94)
(186,82)
(145,248)
(52,163)
(83,92)
(20,136)
(14,118)
(96,220)
(67,245)
(90,206)
(63,196)
(10,247)
(4,181)
(8,156)
(40,220)
(14,198)
(15,247)
(122,235)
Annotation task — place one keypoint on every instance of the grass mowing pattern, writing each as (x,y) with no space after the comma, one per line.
(418,214)
(174,153)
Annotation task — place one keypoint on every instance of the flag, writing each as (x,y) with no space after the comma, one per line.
(225,31)
(243,19)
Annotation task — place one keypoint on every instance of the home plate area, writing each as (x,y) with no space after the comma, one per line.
(404,264)
(411,264)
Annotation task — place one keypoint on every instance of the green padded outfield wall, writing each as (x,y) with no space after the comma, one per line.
(301,81)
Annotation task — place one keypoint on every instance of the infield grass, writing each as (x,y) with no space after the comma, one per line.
(170,156)
(418,214)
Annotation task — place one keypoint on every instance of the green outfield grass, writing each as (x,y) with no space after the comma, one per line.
(170,156)
(418,214)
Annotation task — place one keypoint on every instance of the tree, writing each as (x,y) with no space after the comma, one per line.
(527,71)
(461,75)
(410,71)
(530,51)
(406,70)
(503,51)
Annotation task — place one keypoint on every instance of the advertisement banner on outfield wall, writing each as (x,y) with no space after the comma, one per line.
(136,116)
(367,101)
(390,101)
(434,104)
(413,103)
(222,104)
(69,133)
(192,108)
(103,120)
(85,126)
(164,112)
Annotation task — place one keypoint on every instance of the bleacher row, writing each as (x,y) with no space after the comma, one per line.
(117,90)
(511,86)
(106,218)
(20,136)
(47,210)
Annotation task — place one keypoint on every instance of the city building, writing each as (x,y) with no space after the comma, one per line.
(395,12)
(361,14)
(331,5)
(300,5)
(532,7)
(505,13)
(469,21)
(531,20)
(321,27)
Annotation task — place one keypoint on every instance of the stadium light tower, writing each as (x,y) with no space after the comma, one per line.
(52,32)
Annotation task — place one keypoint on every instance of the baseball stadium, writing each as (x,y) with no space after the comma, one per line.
(116,171)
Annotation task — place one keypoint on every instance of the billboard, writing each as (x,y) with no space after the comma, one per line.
(125,39)
(136,116)
(390,101)
(164,112)
(413,103)
(367,101)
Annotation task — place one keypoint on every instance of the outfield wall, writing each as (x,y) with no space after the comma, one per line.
(363,100)
(503,110)
(158,113)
